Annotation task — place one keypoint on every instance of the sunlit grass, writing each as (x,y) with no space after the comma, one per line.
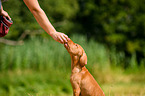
(124,84)
(57,83)
(125,89)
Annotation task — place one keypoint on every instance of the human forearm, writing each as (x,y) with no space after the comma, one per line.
(42,19)
(40,16)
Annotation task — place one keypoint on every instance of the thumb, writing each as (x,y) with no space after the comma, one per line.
(9,17)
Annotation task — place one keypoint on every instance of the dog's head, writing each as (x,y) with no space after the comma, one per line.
(76,52)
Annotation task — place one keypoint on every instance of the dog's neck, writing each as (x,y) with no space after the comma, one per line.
(75,66)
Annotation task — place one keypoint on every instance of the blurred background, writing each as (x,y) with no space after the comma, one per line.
(112,32)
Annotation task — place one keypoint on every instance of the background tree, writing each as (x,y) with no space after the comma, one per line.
(118,23)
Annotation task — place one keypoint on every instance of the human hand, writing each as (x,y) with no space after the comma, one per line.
(4,13)
(60,37)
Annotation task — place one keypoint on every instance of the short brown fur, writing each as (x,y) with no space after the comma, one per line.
(82,81)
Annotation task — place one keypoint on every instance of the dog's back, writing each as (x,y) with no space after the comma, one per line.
(89,86)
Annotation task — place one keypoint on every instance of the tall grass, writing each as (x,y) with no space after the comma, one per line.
(36,53)
(41,67)
(39,53)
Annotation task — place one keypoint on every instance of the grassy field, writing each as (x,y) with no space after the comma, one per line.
(41,67)
(56,83)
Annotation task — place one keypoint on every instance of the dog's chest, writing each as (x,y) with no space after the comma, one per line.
(75,78)
(76,75)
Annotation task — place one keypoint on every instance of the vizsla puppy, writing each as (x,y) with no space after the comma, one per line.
(82,81)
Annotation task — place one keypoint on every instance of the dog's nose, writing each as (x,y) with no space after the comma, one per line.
(66,44)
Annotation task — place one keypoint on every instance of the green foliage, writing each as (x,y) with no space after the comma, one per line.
(59,12)
(22,18)
(115,22)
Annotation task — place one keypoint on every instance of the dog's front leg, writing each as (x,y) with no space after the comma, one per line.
(76,91)
(76,88)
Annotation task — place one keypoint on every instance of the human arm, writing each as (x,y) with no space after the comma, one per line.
(43,21)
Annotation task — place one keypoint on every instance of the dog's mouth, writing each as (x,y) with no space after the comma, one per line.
(66,46)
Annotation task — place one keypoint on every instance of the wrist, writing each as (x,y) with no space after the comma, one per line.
(51,33)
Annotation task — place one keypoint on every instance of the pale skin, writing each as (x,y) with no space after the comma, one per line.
(42,19)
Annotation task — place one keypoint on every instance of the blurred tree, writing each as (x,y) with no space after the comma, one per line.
(115,22)
(59,13)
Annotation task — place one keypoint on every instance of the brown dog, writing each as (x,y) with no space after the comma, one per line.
(82,81)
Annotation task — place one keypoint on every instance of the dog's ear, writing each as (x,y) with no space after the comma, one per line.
(83,59)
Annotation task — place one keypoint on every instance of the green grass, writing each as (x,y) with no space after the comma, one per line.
(41,67)
(122,83)
(57,83)
(28,82)
(38,53)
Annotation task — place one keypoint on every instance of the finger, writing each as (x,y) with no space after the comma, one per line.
(9,17)
(65,36)
(65,45)
(60,40)
(64,39)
